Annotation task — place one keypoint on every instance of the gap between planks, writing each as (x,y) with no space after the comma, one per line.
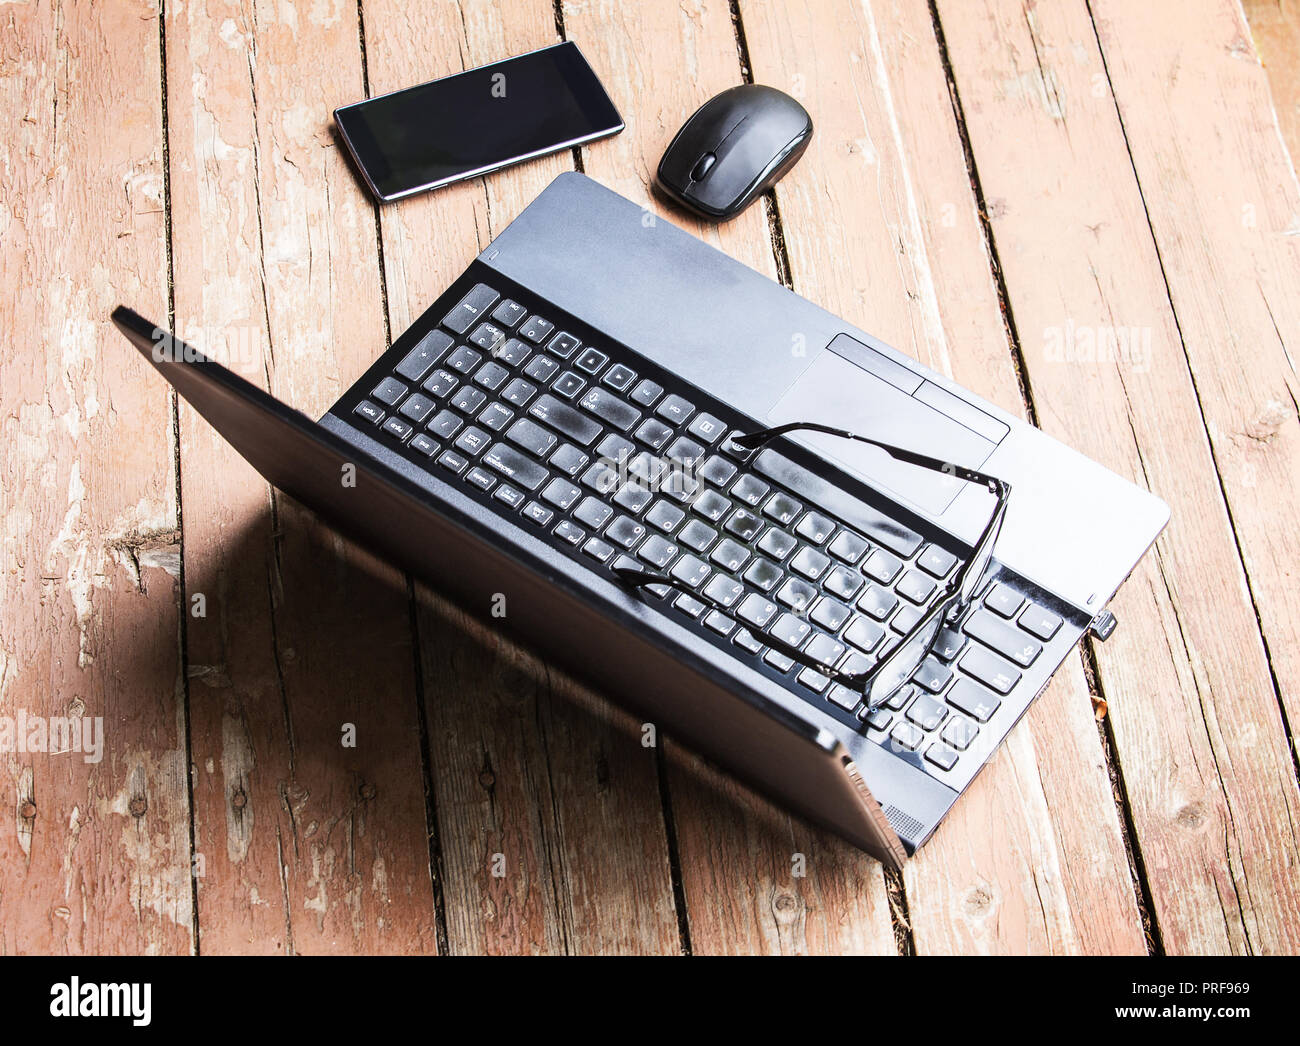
(1137,867)
(174,418)
(1200,407)
(432,833)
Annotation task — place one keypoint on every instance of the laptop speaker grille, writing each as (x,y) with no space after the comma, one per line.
(904,824)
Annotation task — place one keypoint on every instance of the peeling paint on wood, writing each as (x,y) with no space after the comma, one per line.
(981,176)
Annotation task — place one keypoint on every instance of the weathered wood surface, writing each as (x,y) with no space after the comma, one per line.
(308,844)
(1229,238)
(1200,740)
(985,181)
(94,857)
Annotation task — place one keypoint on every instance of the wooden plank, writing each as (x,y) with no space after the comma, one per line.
(882,227)
(740,857)
(95,854)
(1229,237)
(550,825)
(1275,28)
(309,844)
(1192,705)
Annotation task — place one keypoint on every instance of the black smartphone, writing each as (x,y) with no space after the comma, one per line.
(477,121)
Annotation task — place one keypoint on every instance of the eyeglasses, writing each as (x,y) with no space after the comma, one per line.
(888,675)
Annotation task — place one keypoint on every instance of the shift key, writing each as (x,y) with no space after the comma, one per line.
(509,462)
(564,419)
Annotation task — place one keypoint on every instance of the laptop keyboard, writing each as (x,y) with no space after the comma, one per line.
(622,467)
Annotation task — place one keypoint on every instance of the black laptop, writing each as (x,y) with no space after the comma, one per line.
(829,569)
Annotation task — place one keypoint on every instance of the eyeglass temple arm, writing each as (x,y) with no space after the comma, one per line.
(760,438)
(644,578)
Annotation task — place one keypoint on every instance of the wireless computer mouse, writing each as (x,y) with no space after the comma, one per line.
(737,145)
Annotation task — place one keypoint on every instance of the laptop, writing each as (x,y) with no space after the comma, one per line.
(830,570)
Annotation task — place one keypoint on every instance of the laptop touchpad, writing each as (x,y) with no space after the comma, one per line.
(835,391)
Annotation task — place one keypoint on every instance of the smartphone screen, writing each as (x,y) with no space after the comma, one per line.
(477,121)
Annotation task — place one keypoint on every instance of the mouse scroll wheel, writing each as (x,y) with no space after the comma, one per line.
(702,168)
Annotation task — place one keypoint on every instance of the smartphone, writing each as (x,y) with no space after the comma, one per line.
(477,121)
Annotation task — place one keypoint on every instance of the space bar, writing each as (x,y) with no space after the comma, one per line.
(831,499)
